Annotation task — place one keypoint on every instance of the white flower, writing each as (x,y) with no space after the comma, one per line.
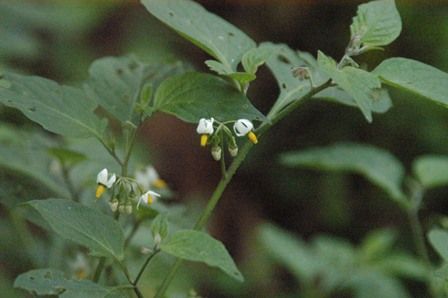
(244,127)
(80,267)
(205,128)
(148,197)
(148,177)
(103,181)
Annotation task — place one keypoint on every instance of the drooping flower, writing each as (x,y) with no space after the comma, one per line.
(148,198)
(103,181)
(148,177)
(244,127)
(205,129)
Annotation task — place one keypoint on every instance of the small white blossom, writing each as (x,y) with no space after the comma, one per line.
(148,198)
(205,128)
(148,177)
(103,178)
(244,127)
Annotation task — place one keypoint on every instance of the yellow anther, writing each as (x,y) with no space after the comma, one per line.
(150,200)
(159,183)
(204,139)
(100,189)
(252,137)
(81,274)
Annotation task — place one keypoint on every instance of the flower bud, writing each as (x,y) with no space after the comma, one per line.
(216,153)
(233,150)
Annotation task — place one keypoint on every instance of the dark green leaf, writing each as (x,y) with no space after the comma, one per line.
(377,165)
(200,247)
(60,109)
(83,225)
(193,96)
(217,37)
(415,77)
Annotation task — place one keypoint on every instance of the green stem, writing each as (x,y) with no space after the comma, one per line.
(142,269)
(418,236)
(111,152)
(214,199)
(99,269)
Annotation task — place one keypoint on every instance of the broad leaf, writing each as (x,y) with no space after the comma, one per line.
(60,109)
(217,37)
(431,170)
(439,241)
(83,225)
(115,83)
(376,24)
(200,247)
(53,282)
(290,251)
(361,85)
(193,96)
(372,284)
(415,77)
(256,57)
(377,165)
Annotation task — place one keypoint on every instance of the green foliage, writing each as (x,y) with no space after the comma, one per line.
(193,96)
(200,247)
(415,77)
(159,226)
(83,225)
(439,241)
(217,37)
(376,24)
(377,165)
(431,170)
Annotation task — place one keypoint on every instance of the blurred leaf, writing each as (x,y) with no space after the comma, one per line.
(83,225)
(192,96)
(415,77)
(159,226)
(256,57)
(217,67)
(377,23)
(431,170)
(377,165)
(403,265)
(115,83)
(439,241)
(370,284)
(378,243)
(200,247)
(290,251)
(360,84)
(66,156)
(60,109)
(53,282)
(214,35)
(380,99)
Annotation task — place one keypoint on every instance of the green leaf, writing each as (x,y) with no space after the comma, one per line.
(377,165)
(193,96)
(159,226)
(200,247)
(376,24)
(217,37)
(290,251)
(218,67)
(66,156)
(380,99)
(53,282)
(83,225)
(439,241)
(403,265)
(115,83)
(60,109)
(256,57)
(372,284)
(378,243)
(415,77)
(431,170)
(361,85)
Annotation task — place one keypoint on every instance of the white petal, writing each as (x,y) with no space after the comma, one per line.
(205,126)
(102,177)
(242,127)
(111,181)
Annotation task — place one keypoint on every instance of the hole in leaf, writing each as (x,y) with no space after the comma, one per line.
(283,59)
(230,34)
(171,14)
(283,85)
(32,109)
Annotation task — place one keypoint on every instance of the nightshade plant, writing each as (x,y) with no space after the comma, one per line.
(123,92)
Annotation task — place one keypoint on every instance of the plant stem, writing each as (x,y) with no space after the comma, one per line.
(225,179)
(418,236)
(142,269)
(99,269)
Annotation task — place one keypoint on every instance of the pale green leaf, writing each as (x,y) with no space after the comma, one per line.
(377,165)
(377,244)
(193,96)
(371,284)
(256,57)
(439,241)
(200,247)
(115,83)
(218,67)
(403,265)
(217,37)
(361,85)
(290,251)
(431,170)
(415,77)
(83,225)
(67,157)
(60,109)
(376,24)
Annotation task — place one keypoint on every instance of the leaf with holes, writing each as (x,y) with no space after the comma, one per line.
(194,95)
(60,109)
(200,247)
(116,84)
(83,225)
(214,35)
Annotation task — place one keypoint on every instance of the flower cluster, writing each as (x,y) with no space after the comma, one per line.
(216,136)
(127,192)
